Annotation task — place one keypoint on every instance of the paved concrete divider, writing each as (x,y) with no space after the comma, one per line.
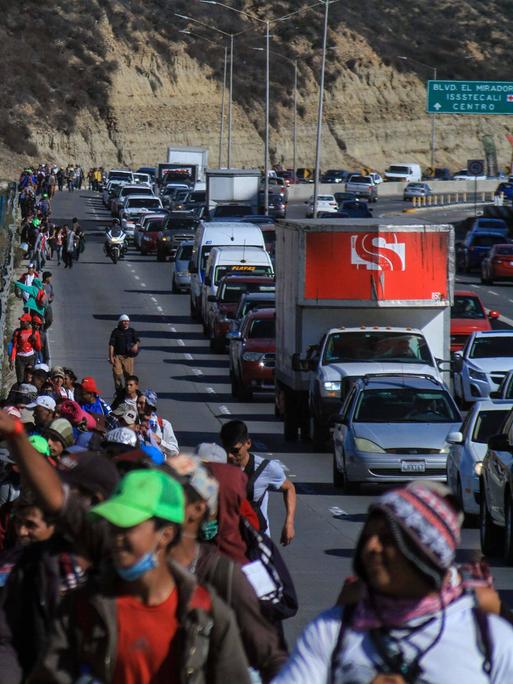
(303,191)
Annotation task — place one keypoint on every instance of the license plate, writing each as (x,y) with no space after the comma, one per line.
(413,467)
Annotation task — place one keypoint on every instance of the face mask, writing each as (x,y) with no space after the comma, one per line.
(209,530)
(139,568)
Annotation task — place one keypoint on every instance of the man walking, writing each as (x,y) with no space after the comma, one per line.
(263,474)
(70,244)
(123,348)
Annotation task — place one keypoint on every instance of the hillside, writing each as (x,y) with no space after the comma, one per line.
(110,82)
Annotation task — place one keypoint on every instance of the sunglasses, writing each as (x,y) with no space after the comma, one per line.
(235,450)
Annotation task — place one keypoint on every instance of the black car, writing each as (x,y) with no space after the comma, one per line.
(175,230)
(355,209)
(335,176)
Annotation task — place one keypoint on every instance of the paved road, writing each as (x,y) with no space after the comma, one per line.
(192,384)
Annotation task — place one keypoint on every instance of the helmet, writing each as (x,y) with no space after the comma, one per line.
(115,222)
(122,435)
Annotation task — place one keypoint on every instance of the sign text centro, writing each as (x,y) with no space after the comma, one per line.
(470,97)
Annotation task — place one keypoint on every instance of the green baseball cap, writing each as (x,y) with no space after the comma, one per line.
(141,495)
(40,444)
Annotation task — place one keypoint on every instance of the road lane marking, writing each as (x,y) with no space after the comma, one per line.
(197,371)
(507,320)
(337,512)
(225,410)
(159,308)
(173,329)
(210,390)
(153,300)
(493,292)
(181,343)
(188,356)
(143,284)
(137,277)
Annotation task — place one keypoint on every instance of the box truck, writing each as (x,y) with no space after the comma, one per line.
(196,157)
(235,187)
(354,297)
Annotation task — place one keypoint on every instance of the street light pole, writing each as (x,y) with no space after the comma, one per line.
(266,153)
(320,112)
(230,104)
(221,132)
(294,137)
(433,115)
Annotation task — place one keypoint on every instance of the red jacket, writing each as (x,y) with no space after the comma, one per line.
(26,341)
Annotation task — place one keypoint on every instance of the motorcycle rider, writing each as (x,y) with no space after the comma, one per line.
(114,231)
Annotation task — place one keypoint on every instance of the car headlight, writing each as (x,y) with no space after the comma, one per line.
(445,449)
(252,356)
(164,239)
(478,468)
(366,445)
(477,375)
(332,386)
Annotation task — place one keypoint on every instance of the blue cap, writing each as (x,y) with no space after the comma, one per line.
(155,454)
(151,397)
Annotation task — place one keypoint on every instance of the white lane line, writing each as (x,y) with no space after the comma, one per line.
(143,284)
(153,300)
(510,300)
(172,329)
(337,512)
(137,277)
(188,356)
(507,320)
(493,292)
(159,308)
(197,371)
(181,343)
(225,410)
(210,390)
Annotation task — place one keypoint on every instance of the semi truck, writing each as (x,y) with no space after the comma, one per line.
(235,187)
(186,157)
(357,297)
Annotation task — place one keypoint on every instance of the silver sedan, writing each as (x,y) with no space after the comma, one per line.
(417,190)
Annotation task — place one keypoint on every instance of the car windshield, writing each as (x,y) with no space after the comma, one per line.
(488,347)
(360,179)
(143,202)
(488,424)
(405,405)
(415,186)
(486,240)
(253,305)
(262,328)
(399,169)
(125,192)
(184,253)
(121,176)
(232,292)
(235,269)
(491,225)
(197,197)
(325,198)
(383,347)
(153,225)
(467,307)
(232,211)
(506,249)
(180,195)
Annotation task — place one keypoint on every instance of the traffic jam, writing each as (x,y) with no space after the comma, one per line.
(354,328)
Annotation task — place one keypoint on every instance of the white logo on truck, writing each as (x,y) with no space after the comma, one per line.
(376,253)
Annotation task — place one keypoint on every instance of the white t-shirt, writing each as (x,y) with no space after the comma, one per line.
(271,478)
(455,659)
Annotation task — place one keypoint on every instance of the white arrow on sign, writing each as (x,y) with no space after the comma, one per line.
(437,106)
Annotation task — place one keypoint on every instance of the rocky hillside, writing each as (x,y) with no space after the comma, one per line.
(114,81)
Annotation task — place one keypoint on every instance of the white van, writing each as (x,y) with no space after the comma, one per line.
(234,260)
(403,171)
(210,234)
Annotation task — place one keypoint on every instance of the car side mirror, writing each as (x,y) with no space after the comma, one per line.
(458,361)
(336,420)
(499,443)
(192,267)
(455,438)
(493,315)
(211,298)
(299,364)
(444,365)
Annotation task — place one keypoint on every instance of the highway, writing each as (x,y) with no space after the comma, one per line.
(194,393)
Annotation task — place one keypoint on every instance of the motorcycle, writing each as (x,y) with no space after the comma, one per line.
(115,246)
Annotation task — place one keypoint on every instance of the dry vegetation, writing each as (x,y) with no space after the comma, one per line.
(53,59)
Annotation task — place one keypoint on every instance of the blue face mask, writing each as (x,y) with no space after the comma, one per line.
(139,568)
(209,530)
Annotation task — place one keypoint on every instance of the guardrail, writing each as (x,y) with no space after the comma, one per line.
(451,198)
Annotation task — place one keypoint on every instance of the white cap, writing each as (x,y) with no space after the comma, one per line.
(42,366)
(44,401)
(123,317)
(211,452)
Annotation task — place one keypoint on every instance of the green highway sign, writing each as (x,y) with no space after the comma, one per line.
(470,97)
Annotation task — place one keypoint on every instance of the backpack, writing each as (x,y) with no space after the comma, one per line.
(253,474)
(41,298)
(281,603)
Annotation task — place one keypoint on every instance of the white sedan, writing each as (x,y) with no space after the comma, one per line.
(326,204)
(467,449)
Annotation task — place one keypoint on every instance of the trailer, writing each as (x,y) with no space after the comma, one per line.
(186,157)
(233,186)
(362,283)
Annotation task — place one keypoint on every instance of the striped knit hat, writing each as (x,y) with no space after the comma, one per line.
(426,525)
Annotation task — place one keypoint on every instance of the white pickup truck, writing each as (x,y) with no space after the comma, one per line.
(363,186)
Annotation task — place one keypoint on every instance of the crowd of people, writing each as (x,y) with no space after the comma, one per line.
(127,558)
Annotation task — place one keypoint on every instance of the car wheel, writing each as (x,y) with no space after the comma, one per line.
(490,535)
(338,478)
(204,327)
(319,434)
(234,385)
(508,530)
(217,345)
(244,393)
(193,311)
(469,519)
(174,289)
(290,422)
(161,256)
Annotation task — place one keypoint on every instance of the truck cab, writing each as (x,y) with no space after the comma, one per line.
(346,354)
